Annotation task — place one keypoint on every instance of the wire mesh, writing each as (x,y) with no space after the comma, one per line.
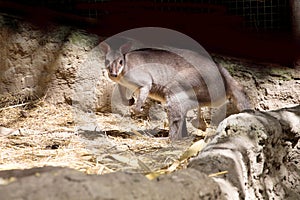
(257,14)
(261,14)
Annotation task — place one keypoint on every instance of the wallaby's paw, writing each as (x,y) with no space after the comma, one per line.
(131,101)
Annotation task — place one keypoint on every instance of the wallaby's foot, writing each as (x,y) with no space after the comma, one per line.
(177,129)
(199,124)
(177,136)
(173,138)
(174,131)
(136,110)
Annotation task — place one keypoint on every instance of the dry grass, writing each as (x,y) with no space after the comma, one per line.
(45,136)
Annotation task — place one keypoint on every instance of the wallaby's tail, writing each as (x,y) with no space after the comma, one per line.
(235,90)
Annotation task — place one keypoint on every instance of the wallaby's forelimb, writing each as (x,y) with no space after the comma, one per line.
(123,93)
(141,98)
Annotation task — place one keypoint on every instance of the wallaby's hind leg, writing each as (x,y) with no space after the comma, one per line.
(177,126)
(177,122)
(199,122)
(218,114)
(184,132)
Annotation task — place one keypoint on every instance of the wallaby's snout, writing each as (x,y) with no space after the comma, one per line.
(113,72)
(113,75)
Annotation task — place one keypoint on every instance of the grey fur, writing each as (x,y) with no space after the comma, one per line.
(181,79)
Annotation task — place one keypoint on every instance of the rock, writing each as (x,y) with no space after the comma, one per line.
(62,183)
(260,152)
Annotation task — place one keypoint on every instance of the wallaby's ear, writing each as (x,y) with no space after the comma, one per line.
(104,47)
(125,48)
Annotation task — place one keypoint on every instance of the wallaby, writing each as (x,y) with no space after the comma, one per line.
(169,76)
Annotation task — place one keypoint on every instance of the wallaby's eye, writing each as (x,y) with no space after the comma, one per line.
(121,62)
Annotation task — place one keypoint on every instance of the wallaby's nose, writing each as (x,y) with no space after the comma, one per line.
(113,75)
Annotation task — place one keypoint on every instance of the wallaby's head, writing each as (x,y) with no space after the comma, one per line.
(115,66)
(114,60)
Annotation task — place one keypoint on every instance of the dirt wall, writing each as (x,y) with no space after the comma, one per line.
(44,63)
